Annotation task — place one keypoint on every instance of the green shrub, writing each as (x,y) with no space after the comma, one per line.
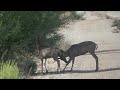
(30,30)
(9,70)
(116,23)
(27,67)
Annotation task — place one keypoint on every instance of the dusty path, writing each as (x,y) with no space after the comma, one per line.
(108,52)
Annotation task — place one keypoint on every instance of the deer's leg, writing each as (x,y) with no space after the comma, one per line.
(45,66)
(96,58)
(67,64)
(72,63)
(42,65)
(58,69)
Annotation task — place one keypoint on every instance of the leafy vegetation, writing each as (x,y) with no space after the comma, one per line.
(24,32)
(9,70)
(116,23)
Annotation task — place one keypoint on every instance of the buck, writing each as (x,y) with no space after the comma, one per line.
(51,53)
(81,49)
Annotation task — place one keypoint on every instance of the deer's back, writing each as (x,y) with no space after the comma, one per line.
(81,48)
(49,52)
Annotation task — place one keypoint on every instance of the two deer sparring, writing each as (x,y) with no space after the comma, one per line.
(74,51)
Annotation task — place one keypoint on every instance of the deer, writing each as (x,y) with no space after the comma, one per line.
(54,53)
(81,49)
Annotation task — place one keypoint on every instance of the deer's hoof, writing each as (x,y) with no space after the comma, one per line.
(96,70)
(58,71)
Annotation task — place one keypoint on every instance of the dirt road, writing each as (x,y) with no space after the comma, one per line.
(108,52)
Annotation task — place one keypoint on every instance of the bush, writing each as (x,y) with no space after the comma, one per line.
(30,30)
(27,67)
(9,70)
(116,23)
(24,32)
(26,64)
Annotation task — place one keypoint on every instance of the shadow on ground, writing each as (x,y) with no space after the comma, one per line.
(107,51)
(79,71)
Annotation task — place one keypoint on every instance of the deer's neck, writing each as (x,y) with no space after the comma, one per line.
(66,54)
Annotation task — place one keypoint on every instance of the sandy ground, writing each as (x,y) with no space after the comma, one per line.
(108,52)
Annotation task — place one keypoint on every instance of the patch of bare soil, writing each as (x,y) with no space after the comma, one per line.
(108,52)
